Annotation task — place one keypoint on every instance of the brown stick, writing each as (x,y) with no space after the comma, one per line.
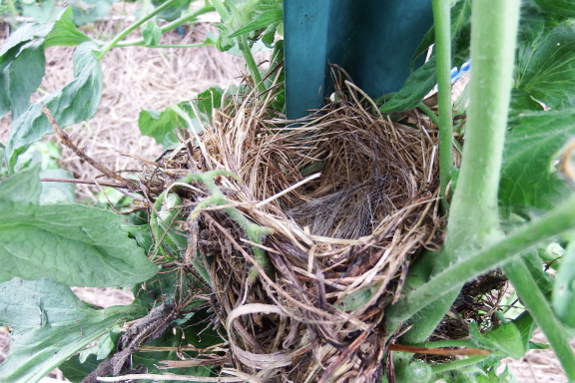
(83,181)
(66,141)
(438,351)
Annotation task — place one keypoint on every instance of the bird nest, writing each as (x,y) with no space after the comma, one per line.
(306,229)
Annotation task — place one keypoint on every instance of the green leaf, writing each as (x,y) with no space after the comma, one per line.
(60,32)
(526,326)
(492,377)
(73,244)
(75,371)
(24,34)
(460,26)
(264,20)
(43,12)
(160,125)
(64,31)
(150,358)
(106,344)
(152,34)
(504,339)
(564,288)
(88,11)
(546,69)
(174,11)
(57,192)
(415,88)
(149,293)
(50,325)
(535,265)
(538,346)
(356,299)
(142,235)
(207,101)
(22,187)
(521,102)
(528,176)
(564,8)
(78,101)
(24,75)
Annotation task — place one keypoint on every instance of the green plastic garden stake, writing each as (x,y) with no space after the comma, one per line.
(373,40)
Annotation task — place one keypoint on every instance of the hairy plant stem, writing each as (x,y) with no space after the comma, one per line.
(442,19)
(221,9)
(474,219)
(251,63)
(170,26)
(457,364)
(255,232)
(110,45)
(555,222)
(538,306)
(429,113)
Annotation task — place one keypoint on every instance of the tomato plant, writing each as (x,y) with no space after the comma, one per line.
(508,199)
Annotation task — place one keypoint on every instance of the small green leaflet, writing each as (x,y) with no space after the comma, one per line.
(23,75)
(57,192)
(150,358)
(264,20)
(504,338)
(536,269)
(60,32)
(152,34)
(526,326)
(564,8)
(44,12)
(522,102)
(64,31)
(88,11)
(174,11)
(415,88)
(528,176)
(161,125)
(23,187)
(460,26)
(564,288)
(75,371)
(50,325)
(78,101)
(546,69)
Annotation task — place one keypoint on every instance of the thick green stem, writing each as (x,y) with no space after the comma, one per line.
(557,221)
(251,63)
(109,46)
(13,12)
(474,219)
(170,26)
(143,44)
(432,116)
(538,306)
(255,232)
(442,21)
(457,364)
(221,9)
(474,215)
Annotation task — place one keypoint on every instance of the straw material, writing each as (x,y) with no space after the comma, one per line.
(349,197)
